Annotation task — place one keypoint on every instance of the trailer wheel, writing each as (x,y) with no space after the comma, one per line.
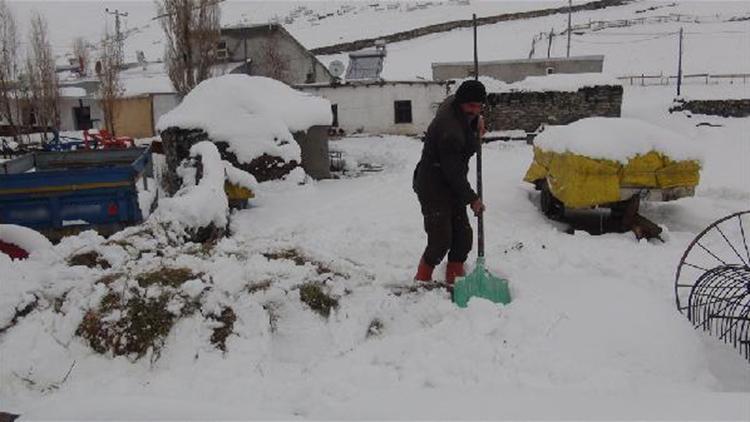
(551,207)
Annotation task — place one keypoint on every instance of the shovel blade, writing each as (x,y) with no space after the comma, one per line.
(480,283)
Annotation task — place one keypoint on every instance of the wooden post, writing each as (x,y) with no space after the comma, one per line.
(549,47)
(570,12)
(679,66)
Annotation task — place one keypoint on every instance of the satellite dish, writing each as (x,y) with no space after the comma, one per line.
(337,68)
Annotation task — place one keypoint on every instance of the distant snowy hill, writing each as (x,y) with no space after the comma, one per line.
(314,23)
(716,31)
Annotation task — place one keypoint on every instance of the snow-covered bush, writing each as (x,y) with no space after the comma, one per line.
(201,208)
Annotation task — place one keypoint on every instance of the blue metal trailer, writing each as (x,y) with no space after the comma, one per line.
(62,192)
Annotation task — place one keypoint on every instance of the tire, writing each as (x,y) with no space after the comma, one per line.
(551,206)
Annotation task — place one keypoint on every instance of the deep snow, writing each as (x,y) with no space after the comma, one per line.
(592,332)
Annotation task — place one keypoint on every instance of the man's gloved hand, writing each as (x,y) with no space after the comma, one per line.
(478,207)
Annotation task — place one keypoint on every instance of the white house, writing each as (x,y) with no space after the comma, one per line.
(387,107)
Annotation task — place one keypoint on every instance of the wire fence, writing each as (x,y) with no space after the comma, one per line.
(696,78)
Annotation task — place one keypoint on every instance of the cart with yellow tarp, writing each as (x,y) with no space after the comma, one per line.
(613,163)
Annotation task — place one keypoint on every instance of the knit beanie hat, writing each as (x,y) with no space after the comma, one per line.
(471,91)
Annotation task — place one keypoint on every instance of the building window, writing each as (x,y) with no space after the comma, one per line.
(221,50)
(403,111)
(550,70)
(82,117)
(335,112)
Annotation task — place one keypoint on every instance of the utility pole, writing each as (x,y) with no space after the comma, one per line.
(118,34)
(679,66)
(570,13)
(549,47)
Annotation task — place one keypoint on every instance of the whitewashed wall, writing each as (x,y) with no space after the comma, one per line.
(162,104)
(370,108)
(67,116)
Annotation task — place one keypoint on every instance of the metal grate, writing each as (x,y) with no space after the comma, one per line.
(712,285)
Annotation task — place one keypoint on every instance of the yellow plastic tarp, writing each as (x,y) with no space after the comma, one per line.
(580,182)
(237,192)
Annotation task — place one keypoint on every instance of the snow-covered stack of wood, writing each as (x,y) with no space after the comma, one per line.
(258,124)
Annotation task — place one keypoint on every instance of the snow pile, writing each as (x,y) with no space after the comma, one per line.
(202,204)
(254,115)
(616,139)
(25,238)
(559,82)
(239,177)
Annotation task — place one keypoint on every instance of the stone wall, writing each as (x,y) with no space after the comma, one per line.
(466,23)
(723,108)
(528,110)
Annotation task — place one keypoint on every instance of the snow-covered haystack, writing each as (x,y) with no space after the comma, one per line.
(253,120)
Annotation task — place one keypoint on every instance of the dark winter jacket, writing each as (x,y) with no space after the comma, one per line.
(441,174)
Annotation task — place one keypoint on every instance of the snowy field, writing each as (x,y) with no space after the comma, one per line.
(650,48)
(592,332)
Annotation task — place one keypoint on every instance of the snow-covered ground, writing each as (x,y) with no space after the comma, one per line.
(592,332)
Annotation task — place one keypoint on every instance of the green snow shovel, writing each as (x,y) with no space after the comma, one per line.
(480,283)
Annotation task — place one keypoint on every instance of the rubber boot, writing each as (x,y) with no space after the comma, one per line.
(453,270)
(424,271)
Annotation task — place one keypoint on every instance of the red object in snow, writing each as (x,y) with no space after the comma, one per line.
(105,140)
(13,251)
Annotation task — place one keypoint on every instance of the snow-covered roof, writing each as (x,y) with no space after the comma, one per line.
(617,139)
(253,114)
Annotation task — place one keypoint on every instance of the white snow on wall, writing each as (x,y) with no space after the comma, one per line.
(617,139)
(254,115)
(559,82)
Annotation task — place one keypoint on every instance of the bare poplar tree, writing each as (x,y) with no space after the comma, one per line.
(41,76)
(110,88)
(8,67)
(81,53)
(192,31)
(276,64)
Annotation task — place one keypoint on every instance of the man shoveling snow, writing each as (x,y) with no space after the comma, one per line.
(441,183)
